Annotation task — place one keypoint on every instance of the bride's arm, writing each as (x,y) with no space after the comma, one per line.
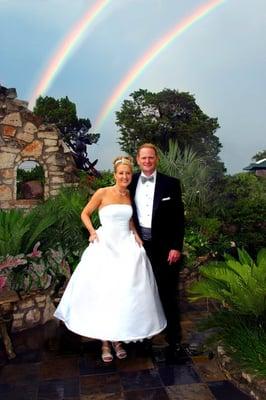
(91,206)
(133,229)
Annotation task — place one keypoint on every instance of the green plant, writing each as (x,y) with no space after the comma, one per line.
(239,285)
(247,345)
(209,226)
(196,241)
(20,230)
(241,204)
(106,179)
(242,337)
(54,223)
(36,270)
(68,230)
(189,258)
(195,177)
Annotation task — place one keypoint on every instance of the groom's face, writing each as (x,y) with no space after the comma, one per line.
(147,160)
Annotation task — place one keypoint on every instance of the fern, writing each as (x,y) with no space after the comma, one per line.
(259,270)
(240,285)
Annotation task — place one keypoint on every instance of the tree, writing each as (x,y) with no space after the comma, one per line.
(169,114)
(240,203)
(259,156)
(74,130)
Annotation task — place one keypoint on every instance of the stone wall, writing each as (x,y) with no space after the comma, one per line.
(24,138)
(28,310)
(32,310)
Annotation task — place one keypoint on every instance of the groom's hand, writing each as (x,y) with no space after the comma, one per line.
(173,256)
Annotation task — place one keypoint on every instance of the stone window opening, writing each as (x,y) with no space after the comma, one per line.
(30,181)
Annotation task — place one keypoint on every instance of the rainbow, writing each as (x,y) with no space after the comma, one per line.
(65,49)
(150,55)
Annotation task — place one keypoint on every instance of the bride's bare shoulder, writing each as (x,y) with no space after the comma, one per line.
(105,191)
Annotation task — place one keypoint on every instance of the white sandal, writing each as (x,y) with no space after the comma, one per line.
(106,354)
(119,351)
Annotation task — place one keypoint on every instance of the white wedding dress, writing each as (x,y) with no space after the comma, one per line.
(112,294)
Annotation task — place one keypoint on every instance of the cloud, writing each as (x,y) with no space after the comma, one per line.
(220,59)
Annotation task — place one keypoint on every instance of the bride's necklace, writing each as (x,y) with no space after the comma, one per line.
(121,192)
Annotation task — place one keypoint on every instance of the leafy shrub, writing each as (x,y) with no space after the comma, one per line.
(240,285)
(68,230)
(193,173)
(106,179)
(239,324)
(209,227)
(242,337)
(20,230)
(241,204)
(196,241)
(36,270)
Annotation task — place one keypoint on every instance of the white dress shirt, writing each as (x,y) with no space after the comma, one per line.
(144,200)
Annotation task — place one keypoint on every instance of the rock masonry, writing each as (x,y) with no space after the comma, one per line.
(24,138)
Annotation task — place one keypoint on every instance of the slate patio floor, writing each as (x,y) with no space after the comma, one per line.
(54,364)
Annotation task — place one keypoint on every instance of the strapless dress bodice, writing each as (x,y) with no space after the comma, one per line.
(115,217)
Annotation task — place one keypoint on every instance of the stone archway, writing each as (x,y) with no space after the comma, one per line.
(24,138)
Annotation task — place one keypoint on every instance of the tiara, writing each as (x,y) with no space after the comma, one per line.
(123,160)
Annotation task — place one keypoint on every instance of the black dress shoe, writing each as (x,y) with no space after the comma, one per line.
(147,345)
(176,353)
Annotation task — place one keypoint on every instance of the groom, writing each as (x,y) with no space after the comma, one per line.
(158,215)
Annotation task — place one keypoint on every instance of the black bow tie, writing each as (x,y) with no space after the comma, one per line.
(145,179)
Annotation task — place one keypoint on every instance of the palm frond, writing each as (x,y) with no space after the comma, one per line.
(238,284)
(13,228)
(68,229)
(190,169)
(38,224)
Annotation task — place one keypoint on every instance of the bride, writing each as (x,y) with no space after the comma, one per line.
(112,294)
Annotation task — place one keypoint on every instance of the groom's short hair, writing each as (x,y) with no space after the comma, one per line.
(149,146)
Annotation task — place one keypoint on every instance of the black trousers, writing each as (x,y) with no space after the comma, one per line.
(167,279)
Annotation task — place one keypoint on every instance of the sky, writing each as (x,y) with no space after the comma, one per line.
(87,49)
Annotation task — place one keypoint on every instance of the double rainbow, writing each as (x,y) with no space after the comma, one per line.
(71,39)
(150,55)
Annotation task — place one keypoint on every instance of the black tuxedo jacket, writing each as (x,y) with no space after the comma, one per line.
(168,213)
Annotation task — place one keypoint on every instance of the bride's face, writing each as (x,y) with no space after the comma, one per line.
(123,175)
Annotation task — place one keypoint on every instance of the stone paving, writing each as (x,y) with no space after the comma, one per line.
(53,363)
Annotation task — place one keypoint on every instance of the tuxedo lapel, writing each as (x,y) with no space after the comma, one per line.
(157,192)
(133,185)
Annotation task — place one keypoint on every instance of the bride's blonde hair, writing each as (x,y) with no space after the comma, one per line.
(127,160)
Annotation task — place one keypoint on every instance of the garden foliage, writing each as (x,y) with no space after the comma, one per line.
(239,285)
(19,230)
(33,271)
(238,288)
